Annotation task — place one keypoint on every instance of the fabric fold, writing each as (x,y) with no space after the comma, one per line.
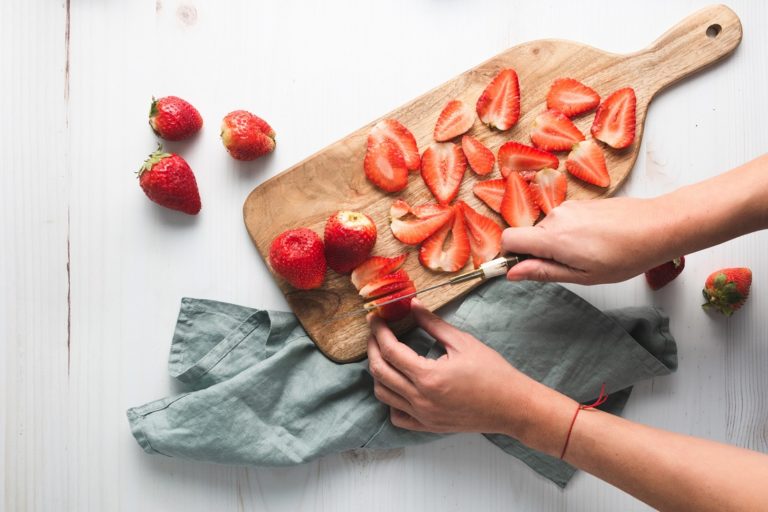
(264,395)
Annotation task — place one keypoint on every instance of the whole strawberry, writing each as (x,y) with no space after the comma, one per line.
(172,118)
(660,276)
(246,136)
(727,289)
(349,239)
(168,180)
(297,255)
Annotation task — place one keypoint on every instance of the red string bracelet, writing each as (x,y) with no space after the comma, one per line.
(600,401)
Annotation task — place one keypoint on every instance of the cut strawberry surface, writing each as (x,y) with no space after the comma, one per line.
(548,189)
(517,206)
(396,310)
(375,267)
(587,162)
(442,168)
(456,118)
(484,235)
(614,121)
(385,166)
(386,284)
(479,157)
(448,249)
(553,131)
(514,156)
(571,97)
(413,225)
(491,193)
(499,104)
(400,136)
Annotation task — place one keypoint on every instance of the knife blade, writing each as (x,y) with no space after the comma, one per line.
(487,270)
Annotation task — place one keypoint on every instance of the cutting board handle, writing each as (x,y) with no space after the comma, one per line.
(698,41)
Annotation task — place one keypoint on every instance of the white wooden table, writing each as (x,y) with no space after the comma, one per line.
(92,272)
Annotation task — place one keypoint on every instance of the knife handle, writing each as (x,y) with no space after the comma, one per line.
(500,266)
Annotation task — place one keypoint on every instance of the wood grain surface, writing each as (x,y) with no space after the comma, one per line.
(332,179)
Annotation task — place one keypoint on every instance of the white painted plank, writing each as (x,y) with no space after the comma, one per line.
(316,71)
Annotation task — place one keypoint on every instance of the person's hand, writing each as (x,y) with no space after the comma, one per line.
(469,389)
(593,241)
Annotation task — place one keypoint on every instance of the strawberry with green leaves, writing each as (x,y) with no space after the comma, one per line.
(173,118)
(168,180)
(726,290)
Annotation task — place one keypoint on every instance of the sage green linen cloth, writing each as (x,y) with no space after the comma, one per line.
(260,393)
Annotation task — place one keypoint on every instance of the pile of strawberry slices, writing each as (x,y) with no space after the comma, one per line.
(448,231)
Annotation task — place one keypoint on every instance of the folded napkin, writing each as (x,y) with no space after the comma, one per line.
(262,394)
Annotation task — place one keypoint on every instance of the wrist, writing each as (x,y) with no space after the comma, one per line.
(542,420)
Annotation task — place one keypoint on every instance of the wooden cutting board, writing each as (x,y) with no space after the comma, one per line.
(333,179)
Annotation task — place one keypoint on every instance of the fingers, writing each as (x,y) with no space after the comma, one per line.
(400,356)
(385,395)
(546,270)
(402,419)
(383,372)
(438,328)
(528,240)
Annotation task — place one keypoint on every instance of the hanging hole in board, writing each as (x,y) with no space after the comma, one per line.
(713,31)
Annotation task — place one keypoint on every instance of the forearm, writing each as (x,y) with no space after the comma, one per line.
(715,210)
(666,470)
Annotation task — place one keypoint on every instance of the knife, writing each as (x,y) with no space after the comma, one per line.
(487,270)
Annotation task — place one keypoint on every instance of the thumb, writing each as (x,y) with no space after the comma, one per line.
(528,240)
(545,270)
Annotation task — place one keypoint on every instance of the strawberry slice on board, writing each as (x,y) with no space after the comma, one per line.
(571,97)
(479,157)
(614,121)
(456,118)
(448,249)
(553,131)
(548,189)
(386,284)
(499,104)
(484,234)
(385,165)
(375,267)
(517,206)
(396,310)
(491,192)
(514,156)
(414,225)
(587,162)
(393,131)
(442,168)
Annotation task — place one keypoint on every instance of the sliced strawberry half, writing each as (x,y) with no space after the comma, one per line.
(553,131)
(587,162)
(375,267)
(456,118)
(548,189)
(442,168)
(448,249)
(385,284)
(385,166)
(514,156)
(413,225)
(614,121)
(499,104)
(393,131)
(571,97)
(517,206)
(479,157)
(397,310)
(491,193)
(484,235)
